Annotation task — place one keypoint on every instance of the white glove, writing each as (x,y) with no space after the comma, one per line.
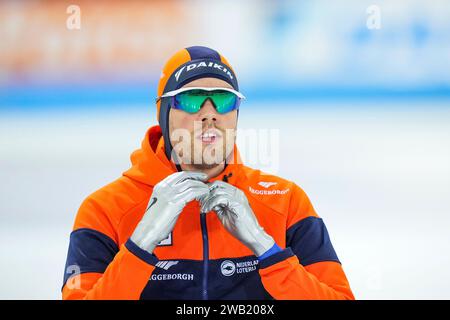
(233,210)
(168,199)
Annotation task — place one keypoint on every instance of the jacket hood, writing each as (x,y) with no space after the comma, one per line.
(150,164)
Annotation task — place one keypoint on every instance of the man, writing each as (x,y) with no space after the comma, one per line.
(189,220)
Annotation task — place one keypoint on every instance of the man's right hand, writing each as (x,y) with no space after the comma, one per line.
(168,199)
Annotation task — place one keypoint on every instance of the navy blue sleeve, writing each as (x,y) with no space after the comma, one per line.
(310,242)
(275,258)
(140,253)
(89,251)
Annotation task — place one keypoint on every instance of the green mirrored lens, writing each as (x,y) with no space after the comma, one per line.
(189,102)
(224,101)
(192,101)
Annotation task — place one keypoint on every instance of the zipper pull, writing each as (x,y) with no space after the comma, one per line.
(226,176)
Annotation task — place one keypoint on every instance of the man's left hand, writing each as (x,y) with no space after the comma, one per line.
(233,210)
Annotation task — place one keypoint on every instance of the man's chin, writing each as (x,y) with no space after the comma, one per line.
(204,166)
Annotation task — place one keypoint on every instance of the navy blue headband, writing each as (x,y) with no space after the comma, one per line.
(200,68)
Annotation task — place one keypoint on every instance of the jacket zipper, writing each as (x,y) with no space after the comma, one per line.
(205,256)
(206,248)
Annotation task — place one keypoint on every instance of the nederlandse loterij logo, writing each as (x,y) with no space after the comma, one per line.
(228,268)
(266,184)
(200,64)
(166,264)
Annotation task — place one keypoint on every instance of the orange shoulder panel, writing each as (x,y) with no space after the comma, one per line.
(300,206)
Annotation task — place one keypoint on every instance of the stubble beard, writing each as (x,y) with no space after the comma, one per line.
(204,157)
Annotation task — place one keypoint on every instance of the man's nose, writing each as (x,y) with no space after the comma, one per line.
(207,113)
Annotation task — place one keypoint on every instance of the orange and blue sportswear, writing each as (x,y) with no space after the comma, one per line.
(199,259)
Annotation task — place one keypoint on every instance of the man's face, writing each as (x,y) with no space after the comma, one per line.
(206,138)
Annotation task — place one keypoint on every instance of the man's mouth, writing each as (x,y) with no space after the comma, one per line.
(209,136)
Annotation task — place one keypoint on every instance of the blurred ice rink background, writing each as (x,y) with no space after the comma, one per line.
(363,118)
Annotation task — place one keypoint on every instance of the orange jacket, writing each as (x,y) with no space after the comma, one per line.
(200,259)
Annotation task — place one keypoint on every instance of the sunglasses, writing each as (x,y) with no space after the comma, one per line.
(192,99)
